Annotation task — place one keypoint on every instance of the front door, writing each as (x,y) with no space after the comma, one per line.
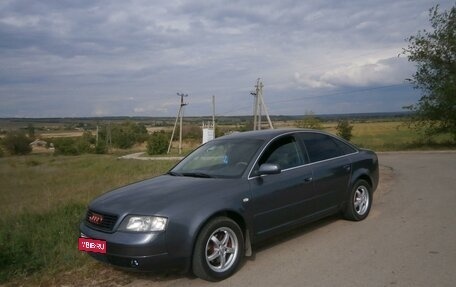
(282,199)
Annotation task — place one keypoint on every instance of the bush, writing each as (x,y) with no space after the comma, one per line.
(122,138)
(344,129)
(88,137)
(124,135)
(65,146)
(72,146)
(17,143)
(101,148)
(310,121)
(158,143)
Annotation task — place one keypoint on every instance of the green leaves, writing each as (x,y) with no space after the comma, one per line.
(158,143)
(434,53)
(344,129)
(17,143)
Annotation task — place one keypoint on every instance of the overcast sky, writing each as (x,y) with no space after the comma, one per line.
(67,58)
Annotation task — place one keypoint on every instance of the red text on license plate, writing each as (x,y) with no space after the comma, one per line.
(92,245)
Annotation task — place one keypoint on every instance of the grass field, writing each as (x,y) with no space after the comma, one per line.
(43,198)
(393,136)
(42,201)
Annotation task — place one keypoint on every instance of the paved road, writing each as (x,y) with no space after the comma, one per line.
(409,239)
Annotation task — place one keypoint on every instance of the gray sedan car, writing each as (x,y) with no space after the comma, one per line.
(205,214)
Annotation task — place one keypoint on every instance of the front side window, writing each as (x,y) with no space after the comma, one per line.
(285,152)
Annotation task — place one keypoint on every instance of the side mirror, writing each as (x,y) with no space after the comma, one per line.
(269,168)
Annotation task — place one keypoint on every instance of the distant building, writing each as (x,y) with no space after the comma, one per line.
(208,132)
(41,146)
(38,143)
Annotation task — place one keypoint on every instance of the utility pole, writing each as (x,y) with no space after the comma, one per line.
(108,136)
(259,105)
(213,114)
(96,138)
(180,115)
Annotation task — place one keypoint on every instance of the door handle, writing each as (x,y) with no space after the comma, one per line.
(347,167)
(308,179)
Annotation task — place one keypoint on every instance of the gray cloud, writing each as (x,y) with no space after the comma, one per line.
(93,58)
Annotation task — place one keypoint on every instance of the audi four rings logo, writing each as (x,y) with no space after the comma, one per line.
(96,218)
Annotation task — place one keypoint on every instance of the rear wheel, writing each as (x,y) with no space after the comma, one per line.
(359,202)
(219,249)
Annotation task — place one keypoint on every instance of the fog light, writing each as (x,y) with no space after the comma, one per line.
(134,263)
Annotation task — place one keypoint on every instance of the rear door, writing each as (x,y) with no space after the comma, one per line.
(331,169)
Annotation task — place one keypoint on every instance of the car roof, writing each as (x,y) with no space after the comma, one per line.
(264,134)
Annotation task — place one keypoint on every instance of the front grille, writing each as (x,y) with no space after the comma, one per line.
(106,224)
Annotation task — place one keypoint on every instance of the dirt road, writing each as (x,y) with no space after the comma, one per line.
(409,239)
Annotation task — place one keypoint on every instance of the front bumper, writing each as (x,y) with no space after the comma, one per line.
(137,251)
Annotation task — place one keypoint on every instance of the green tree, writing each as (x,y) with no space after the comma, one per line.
(127,134)
(101,147)
(158,143)
(76,145)
(310,121)
(434,53)
(17,143)
(344,129)
(72,146)
(66,146)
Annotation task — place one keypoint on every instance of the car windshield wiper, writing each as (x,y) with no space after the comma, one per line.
(173,173)
(197,174)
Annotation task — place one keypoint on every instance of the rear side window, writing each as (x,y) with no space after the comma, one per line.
(321,147)
(346,149)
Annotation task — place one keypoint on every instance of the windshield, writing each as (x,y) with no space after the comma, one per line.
(218,158)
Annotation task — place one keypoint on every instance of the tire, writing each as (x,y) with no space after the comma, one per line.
(219,249)
(359,202)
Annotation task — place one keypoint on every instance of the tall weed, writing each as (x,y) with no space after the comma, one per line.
(31,242)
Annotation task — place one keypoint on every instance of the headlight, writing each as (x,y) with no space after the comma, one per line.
(143,223)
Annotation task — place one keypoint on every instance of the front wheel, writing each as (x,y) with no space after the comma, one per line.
(218,250)
(359,201)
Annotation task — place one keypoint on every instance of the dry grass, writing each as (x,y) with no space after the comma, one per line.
(60,134)
(393,135)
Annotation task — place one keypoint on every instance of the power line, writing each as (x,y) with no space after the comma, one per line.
(340,93)
(336,93)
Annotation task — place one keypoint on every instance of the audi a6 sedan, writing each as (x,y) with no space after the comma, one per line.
(230,193)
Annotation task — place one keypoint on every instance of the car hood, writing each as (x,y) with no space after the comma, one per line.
(158,195)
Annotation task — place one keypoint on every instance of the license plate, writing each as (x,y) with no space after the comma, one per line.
(92,245)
